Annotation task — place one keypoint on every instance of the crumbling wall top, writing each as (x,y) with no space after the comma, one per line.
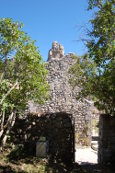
(56,52)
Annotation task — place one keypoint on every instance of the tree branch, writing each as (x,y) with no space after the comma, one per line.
(1,77)
(3,118)
(4,97)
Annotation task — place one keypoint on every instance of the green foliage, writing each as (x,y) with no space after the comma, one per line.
(94,3)
(22,72)
(20,61)
(101,45)
(95,72)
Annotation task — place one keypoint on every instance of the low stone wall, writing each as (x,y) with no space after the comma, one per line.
(106,139)
(58,130)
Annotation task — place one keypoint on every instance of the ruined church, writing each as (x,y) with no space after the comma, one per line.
(63,97)
(63,122)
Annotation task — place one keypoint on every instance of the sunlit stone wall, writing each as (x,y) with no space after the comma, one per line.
(62,96)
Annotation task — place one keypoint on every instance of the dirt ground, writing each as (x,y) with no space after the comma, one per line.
(85,155)
(87,159)
(86,162)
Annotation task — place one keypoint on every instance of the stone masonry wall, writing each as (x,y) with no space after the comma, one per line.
(106,139)
(62,97)
(58,130)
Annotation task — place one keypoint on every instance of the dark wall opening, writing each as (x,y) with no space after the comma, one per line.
(56,127)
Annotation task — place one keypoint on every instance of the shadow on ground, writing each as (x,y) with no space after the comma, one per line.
(9,169)
(50,166)
(4,169)
(96,168)
(18,156)
(45,166)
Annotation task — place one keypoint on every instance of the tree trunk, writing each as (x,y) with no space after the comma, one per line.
(3,118)
(1,132)
(10,124)
(2,124)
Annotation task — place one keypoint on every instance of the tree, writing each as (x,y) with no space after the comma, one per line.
(22,74)
(96,70)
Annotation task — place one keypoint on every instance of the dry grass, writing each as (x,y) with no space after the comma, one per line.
(35,165)
(25,165)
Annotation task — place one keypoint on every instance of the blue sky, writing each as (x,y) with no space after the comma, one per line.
(50,20)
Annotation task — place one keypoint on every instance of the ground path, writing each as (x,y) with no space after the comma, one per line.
(87,158)
(85,155)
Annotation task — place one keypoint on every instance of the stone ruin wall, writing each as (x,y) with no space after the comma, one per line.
(106,152)
(62,97)
(57,130)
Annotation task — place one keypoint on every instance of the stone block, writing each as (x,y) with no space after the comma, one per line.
(41,149)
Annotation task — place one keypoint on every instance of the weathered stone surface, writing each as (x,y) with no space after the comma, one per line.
(57,51)
(62,96)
